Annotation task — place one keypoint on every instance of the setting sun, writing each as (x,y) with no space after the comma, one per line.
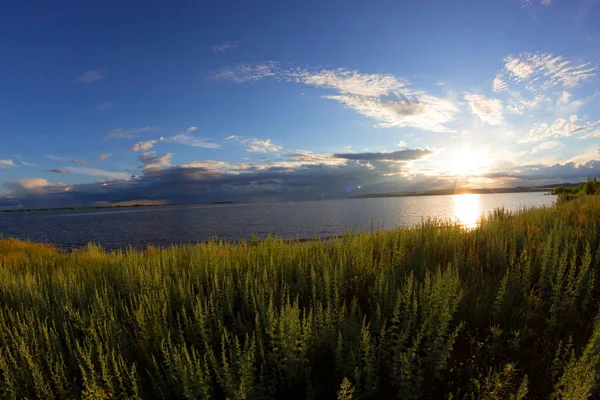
(468,162)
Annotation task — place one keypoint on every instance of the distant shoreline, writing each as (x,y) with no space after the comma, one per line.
(440,192)
(447,192)
(112,207)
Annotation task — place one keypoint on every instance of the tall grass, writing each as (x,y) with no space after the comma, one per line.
(508,310)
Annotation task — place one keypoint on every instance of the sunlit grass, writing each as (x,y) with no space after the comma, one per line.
(505,310)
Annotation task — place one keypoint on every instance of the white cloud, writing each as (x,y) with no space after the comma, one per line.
(385,98)
(248,72)
(592,134)
(541,71)
(83,163)
(256,145)
(526,4)
(191,129)
(27,164)
(489,110)
(518,105)
(6,163)
(423,112)
(190,140)
(564,98)
(120,133)
(546,146)
(546,2)
(353,82)
(144,146)
(208,164)
(562,128)
(401,143)
(262,146)
(104,156)
(90,76)
(224,47)
(150,160)
(499,85)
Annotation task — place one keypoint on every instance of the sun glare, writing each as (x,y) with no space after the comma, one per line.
(467,162)
(467,209)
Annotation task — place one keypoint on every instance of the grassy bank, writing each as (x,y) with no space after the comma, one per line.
(505,311)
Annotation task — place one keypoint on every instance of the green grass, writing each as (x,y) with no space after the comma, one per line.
(505,311)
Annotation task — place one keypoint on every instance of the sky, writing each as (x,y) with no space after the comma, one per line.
(113,102)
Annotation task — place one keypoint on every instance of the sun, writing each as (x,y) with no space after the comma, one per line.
(467,161)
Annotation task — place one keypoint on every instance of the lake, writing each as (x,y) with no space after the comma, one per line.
(161,226)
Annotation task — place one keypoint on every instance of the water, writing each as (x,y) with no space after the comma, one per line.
(161,226)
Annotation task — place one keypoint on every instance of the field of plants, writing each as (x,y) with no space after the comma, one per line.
(508,310)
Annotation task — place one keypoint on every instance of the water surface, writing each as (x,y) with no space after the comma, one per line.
(138,227)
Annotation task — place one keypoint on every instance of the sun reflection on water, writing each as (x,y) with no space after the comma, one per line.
(467,209)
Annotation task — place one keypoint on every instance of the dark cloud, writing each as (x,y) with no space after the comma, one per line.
(568,172)
(400,155)
(260,182)
(59,171)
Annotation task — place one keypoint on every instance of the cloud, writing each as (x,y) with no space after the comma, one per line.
(191,129)
(193,141)
(144,146)
(385,98)
(499,85)
(6,163)
(224,47)
(104,156)
(90,76)
(546,146)
(33,185)
(564,98)
(546,2)
(83,163)
(27,164)
(262,146)
(562,128)
(103,106)
(382,97)
(423,112)
(151,161)
(400,155)
(547,174)
(541,71)
(401,143)
(489,110)
(518,105)
(248,72)
(304,157)
(207,164)
(59,170)
(353,82)
(120,133)
(254,145)
(204,181)
(99,173)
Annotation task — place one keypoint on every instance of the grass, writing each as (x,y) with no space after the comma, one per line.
(508,310)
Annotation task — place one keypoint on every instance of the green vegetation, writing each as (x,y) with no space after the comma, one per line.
(566,193)
(508,310)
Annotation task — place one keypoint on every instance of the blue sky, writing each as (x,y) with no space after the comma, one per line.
(106,102)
